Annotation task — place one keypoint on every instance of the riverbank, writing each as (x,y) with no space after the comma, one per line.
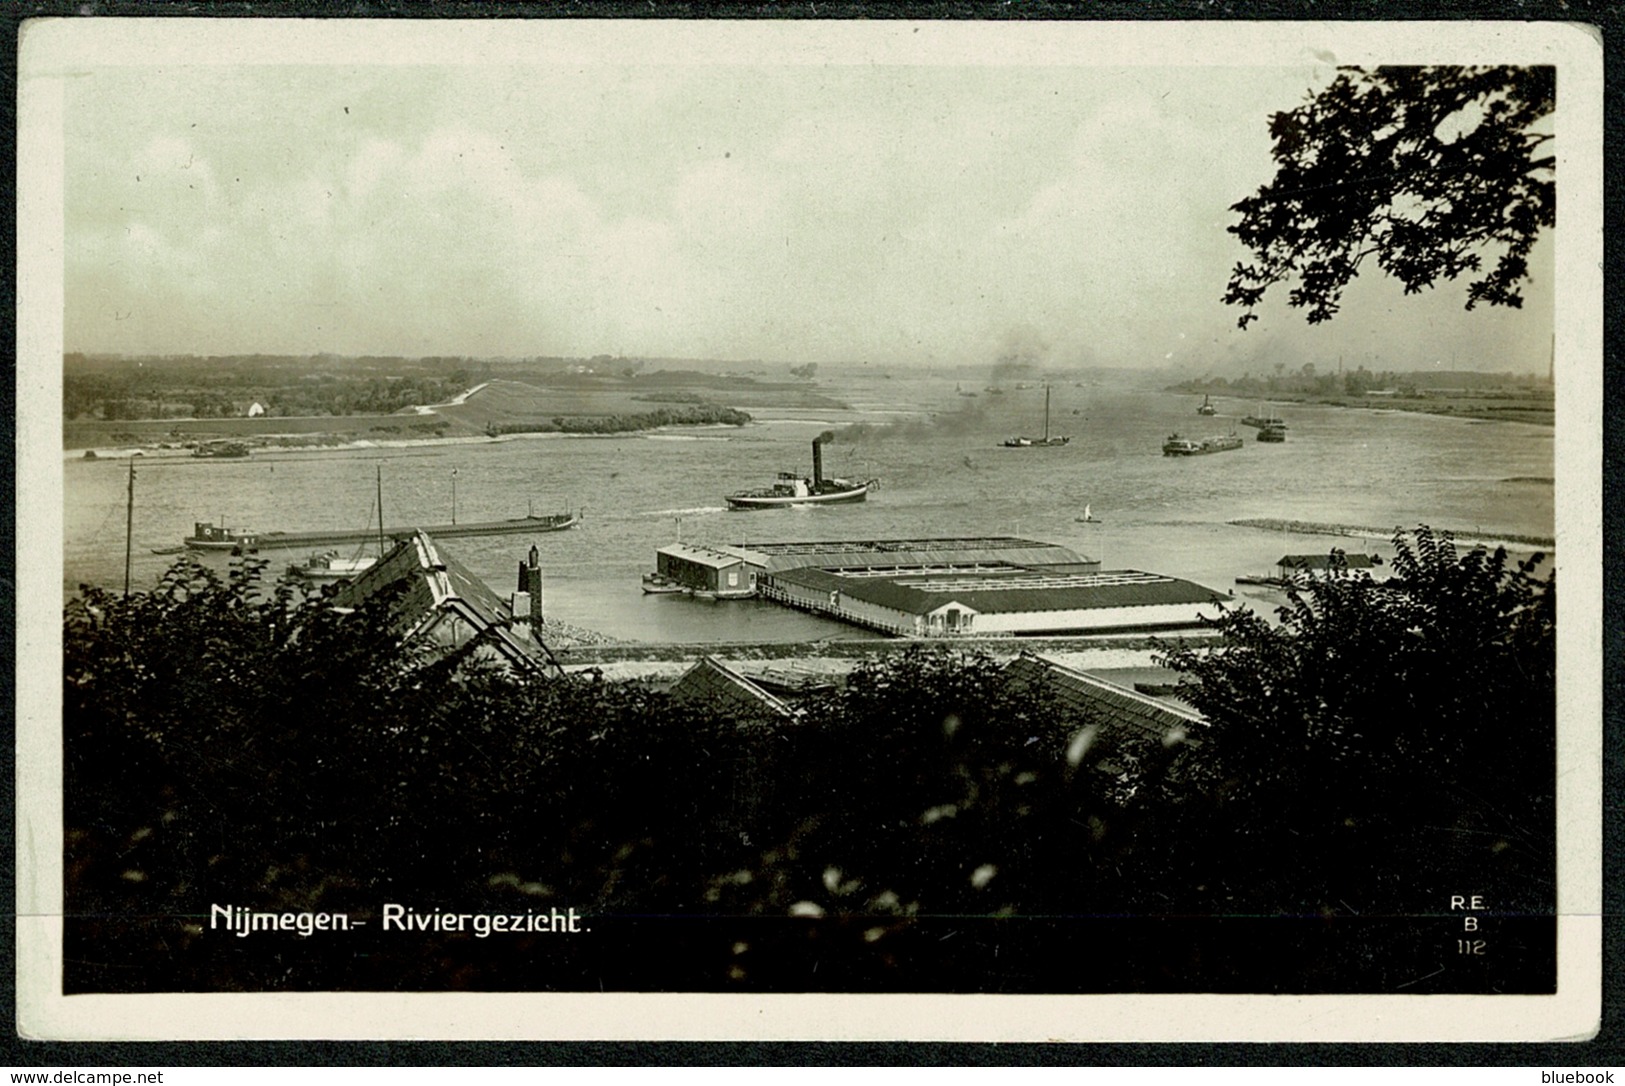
(1535,406)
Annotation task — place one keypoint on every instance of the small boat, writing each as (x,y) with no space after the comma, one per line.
(1207,407)
(1088,517)
(168,550)
(1186,446)
(206,537)
(221,450)
(329,566)
(791,489)
(1273,434)
(655,584)
(1045,442)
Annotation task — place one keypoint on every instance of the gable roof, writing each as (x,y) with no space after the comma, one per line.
(713,683)
(433,586)
(1112,705)
(715,558)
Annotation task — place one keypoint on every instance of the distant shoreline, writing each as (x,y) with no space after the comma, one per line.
(1531,410)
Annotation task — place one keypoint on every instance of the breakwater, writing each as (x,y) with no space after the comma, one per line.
(1361,531)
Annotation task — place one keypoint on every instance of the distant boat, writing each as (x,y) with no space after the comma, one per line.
(1262,420)
(1038,442)
(1088,517)
(1273,434)
(1185,446)
(221,450)
(791,489)
(1207,407)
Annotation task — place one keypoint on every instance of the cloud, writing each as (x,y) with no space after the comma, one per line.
(807,214)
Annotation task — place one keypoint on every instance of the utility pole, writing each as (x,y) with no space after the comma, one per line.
(129,526)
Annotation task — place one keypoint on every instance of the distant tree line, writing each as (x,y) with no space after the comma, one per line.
(930,826)
(700,415)
(139,393)
(1359,381)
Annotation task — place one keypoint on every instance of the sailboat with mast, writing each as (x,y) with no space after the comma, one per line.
(330,566)
(1038,442)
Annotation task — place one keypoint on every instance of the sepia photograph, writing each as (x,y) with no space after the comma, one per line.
(810,530)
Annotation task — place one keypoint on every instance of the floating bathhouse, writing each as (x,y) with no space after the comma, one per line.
(991,600)
(736,569)
(716,571)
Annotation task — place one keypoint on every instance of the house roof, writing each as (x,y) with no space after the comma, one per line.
(713,683)
(433,586)
(1108,703)
(1008,590)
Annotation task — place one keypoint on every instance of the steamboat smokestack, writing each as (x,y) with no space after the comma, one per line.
(818,459)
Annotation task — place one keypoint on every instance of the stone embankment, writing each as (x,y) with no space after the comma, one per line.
(564,636)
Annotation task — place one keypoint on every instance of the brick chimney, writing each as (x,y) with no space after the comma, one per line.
(530,585)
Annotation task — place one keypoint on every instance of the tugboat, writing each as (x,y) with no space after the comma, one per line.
(206,537)
(1038,442)
(790,489)
(1207,407)
(1186,446)
(1274,433)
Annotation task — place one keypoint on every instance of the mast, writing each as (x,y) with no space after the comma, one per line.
(129,525)
(1046,414)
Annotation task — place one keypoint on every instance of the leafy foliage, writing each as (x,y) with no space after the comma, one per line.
(233,741)
(1422,168)
(1388,738)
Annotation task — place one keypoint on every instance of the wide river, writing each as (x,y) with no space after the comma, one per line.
(942,473)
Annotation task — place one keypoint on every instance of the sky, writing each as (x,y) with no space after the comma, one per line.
(896,214)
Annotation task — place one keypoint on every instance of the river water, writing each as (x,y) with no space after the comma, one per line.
(942,473)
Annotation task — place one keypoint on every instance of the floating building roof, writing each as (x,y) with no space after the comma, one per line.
(716,558)
(1334,559)
(893,553)
(1006,590)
